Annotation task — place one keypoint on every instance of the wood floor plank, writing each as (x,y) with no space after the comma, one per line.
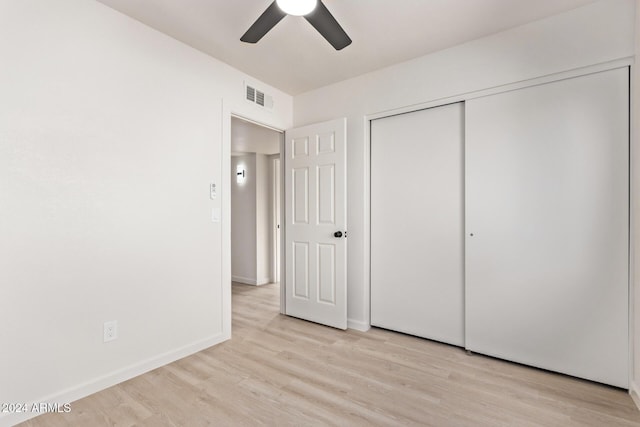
(282,371)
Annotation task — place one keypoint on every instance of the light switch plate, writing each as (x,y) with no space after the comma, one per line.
(215,214)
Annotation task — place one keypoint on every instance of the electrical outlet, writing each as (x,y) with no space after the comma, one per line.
(110,330)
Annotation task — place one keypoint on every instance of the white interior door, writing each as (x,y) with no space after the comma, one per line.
(547,226)
(417,223)
(315,217)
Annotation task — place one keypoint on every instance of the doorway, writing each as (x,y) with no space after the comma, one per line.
(255,204)
(316,197)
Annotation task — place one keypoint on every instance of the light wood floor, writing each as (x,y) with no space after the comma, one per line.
(283,371)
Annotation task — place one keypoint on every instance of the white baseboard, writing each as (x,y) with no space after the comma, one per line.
(634,391)
(83,390)
(251,281)
(358,325)
(245,280)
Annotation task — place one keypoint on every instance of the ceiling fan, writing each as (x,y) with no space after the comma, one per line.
(313,11)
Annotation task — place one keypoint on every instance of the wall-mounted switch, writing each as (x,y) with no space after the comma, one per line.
(215,214)
(212,191)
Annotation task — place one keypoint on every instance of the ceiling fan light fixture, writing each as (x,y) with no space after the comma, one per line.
(297,7)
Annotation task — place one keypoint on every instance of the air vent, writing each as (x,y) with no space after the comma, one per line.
(251,94)
(258,97)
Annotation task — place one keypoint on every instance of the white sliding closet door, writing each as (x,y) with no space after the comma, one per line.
(417,223)
(547,223)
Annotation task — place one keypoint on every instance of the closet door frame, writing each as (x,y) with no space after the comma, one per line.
(439,101)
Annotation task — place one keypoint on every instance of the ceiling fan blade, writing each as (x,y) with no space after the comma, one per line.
(263,24)
(323,21)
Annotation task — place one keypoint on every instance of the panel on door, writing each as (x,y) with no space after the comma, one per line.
(417,238)
(547,214)
(315,217)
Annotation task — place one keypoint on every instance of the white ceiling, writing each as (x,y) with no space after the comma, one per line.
(247,137)
(294,58)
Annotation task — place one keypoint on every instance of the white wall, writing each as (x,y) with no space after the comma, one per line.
(597,33)
(250,220)
(243,220)
(250,138)
(110,134)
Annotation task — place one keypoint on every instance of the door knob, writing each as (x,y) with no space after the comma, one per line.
(337,234)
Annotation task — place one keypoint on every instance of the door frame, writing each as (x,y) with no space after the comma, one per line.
(276,212)
(225,166)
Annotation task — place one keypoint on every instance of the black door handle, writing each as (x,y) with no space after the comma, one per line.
(337,234)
